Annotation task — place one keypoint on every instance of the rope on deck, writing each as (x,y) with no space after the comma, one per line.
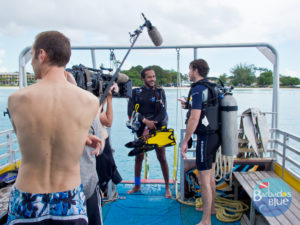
(227,210)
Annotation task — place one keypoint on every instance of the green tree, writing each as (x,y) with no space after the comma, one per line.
(243,75)
(185,77)
(289,81)
(134,74)
(265,78)
(223,77)
(261,69)
(163,77)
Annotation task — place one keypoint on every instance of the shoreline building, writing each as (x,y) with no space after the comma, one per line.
(12,79)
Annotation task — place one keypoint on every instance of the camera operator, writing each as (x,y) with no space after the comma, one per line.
(88,173)
(96,81)
(105,163)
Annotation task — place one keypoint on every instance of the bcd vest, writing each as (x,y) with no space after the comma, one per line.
(158,97)
(209,119)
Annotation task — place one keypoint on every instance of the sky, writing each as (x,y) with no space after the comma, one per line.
(180,22)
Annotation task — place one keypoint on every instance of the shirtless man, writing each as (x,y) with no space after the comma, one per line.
(51,119)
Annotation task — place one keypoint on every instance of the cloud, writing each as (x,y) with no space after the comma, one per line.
(12,29)
(292,73)
(108,19)
(180,22)
(2,54)
(3,69)
(188,21)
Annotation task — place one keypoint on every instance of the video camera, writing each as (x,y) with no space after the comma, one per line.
(96,81)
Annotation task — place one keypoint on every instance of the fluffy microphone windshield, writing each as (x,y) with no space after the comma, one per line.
(122,78)
(155,36)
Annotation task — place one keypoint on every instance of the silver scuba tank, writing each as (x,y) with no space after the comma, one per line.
(229,128)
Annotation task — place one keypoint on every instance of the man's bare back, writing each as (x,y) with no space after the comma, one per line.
(51,120)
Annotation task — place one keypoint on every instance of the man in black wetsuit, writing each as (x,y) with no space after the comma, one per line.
(150,103)
(202,103)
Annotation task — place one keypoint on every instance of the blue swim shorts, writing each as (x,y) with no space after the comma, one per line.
(68,207)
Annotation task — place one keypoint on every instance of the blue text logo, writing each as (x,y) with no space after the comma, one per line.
(272,197)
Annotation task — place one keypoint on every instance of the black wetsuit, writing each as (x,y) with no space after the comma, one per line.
(152,106)
(106,167)
(207,142)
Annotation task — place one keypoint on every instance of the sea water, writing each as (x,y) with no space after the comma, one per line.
(289,120)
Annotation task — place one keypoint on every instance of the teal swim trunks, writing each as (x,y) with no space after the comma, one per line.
(68,207)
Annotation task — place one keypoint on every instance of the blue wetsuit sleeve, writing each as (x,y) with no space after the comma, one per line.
(196,96)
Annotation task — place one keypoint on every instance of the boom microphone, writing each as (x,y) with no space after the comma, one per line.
(153,32)
(155,36)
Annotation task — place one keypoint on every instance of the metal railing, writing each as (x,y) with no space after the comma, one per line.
(281,147)
(266,49)
(10,156)
(8,144)
(285,149)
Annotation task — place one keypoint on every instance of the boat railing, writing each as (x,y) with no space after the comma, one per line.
(286,151)
(283,148)
(266,49)
(8,158)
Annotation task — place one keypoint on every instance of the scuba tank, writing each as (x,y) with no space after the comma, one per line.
(229,128)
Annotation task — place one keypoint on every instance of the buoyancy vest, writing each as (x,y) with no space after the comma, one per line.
(142,96)
(209,119)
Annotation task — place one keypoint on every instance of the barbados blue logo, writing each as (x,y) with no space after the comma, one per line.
(272,197)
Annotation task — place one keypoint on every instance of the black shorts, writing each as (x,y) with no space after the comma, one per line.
(206,149)
(93,206)
(106,167)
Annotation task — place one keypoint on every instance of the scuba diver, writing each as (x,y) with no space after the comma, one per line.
(203,119)
(148,105)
